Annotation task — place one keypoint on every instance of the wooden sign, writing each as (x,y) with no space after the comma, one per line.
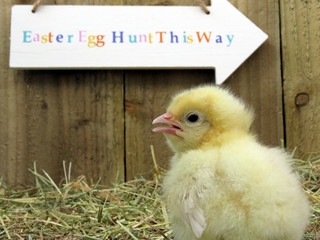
(127,37)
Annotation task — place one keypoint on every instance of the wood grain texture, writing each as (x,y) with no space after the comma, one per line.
(97,118)
(258,80)
(147,95)
(301,72)
(51,116)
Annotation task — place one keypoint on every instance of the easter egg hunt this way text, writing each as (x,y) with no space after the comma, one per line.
(102,40)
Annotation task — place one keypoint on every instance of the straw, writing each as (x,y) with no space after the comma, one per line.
(127,210)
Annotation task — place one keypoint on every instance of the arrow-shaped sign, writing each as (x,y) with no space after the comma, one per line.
(126,37)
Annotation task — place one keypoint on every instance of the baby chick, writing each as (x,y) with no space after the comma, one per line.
(222,183)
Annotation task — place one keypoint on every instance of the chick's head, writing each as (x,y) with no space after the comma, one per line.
(201,116)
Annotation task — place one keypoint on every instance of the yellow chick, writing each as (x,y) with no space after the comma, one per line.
(222,184)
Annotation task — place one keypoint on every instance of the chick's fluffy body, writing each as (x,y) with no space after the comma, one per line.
(224,185)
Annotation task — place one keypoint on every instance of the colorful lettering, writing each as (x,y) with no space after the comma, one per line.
(100,40)
(174,38)
(203,35)
(114,37)
(27,36)
(161,36)
(230,38)
(82,36)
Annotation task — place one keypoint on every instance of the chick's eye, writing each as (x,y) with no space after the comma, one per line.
(192,118)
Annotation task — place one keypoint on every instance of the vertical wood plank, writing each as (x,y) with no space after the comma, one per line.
(51,116)
(54,116)
(258,80)
(11,146)
(301,58)
(147,95)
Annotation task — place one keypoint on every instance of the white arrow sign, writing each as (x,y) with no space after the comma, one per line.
(126,37)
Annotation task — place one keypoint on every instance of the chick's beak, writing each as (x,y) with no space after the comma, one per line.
(172,126)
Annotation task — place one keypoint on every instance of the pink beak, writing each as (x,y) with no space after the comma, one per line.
(172,128)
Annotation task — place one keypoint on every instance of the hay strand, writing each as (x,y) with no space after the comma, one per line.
(75,209)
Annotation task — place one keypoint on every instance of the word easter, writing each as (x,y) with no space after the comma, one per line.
(101,40)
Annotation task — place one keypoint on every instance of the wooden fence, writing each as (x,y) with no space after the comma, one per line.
(101,120)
